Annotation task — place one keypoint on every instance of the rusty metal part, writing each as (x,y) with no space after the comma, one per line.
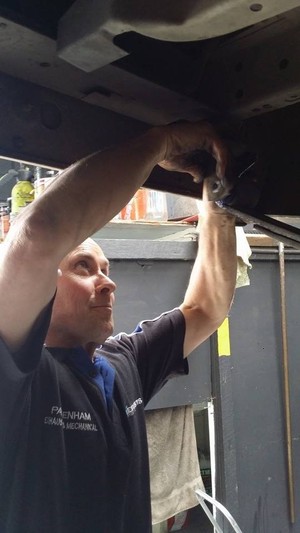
(277,230)
(281,238)
(216,188)
(286,386)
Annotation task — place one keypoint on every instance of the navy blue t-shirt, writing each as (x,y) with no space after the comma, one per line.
(73,445)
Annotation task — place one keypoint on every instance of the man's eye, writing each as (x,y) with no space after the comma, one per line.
(82,264)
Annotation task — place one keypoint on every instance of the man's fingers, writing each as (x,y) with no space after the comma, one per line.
(221,155)
(184,164)
(197,149)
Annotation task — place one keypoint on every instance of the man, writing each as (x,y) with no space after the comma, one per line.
(73,451)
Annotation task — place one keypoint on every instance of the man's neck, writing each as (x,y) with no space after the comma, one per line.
(89,347)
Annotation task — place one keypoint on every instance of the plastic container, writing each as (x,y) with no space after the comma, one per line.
(156,206)
(22,194)
(41,184)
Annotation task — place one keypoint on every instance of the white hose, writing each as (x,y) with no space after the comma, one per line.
(201,496)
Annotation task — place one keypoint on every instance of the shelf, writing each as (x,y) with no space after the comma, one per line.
(147,231)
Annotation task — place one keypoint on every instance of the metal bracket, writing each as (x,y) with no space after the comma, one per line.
(269,226)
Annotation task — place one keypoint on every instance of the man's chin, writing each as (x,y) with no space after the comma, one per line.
(106,332)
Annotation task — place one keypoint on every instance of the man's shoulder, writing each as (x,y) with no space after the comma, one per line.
(165,319)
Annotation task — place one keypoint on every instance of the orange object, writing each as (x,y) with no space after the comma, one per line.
(140,200)
(4,225)
(137,207)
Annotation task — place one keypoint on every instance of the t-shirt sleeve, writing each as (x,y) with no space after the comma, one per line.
(16,368)
(16,373)
(157,346)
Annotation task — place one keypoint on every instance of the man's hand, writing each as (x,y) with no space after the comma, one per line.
(184,139)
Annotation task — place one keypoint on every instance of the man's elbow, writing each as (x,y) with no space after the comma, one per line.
(212,315)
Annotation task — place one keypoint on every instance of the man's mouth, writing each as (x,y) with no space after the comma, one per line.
(103,306)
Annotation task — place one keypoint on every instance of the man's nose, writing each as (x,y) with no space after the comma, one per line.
(105,284)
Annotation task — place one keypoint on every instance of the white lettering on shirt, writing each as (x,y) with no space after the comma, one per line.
(59,417)
(132,408)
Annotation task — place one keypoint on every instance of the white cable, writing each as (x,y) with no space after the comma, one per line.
(217,528)
(203,496)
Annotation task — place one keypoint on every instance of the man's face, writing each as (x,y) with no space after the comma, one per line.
(82,311)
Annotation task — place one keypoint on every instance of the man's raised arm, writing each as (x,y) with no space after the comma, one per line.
(79,202)
(212,282)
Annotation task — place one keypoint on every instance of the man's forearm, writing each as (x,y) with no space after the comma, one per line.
(104,182)
(213,276)
(212,282)
(89,193)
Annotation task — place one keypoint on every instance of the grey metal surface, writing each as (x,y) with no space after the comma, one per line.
(42,126)
(286,233)
(229,79)
(87,30)
(227,459)
(145,251)
(110,87)
(255,392)
(257,70)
